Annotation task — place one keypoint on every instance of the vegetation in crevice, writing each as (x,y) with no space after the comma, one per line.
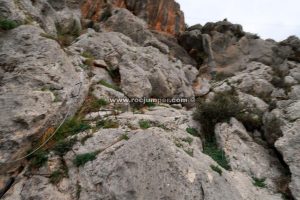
(82,159)
(211,149)
(107,123)
(259,182)
(7,24)
(144,124)
(38,159)
(192,131)
(112,86)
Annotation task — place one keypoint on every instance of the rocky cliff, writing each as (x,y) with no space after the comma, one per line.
(62,137)
(161,15)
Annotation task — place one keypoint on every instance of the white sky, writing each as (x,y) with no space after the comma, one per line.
(276,19)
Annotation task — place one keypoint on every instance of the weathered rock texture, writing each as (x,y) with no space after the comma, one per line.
(37,82)
(119,49)
(160,15)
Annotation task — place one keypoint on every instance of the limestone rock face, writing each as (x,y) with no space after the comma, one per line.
(37,82)
(146,69)
(160,15)
(246,155)
(157,163)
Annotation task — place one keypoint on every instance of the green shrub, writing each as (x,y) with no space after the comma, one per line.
(64,146)
(6,24)
(212,150)
(216,169)
(107,123)
(106,84)
(259,182)
(71,127)
(57,176)
(38,159)
(192,131)
(222,107)
(144,124)
(81,159)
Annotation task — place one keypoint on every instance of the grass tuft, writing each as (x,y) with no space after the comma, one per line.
(106,84)
(259,182)
(144,124)
(64,146)
(6,24)
(192,131)
(38,159)
(57,176)
(211,149)
(82,159)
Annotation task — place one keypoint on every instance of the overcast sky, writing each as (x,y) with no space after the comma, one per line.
(276,19)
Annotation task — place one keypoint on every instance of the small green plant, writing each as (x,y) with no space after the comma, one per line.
(71,127)
(144,124)
(192,131)
(7,24)
(57,176)
(216,169)
(107,123)
(259,182)
(102,102)
(81,159)
(190,152)
(38,159)
(64,146)
(106,84)
(124,137)
(211,149)
(188,140)
(150,104)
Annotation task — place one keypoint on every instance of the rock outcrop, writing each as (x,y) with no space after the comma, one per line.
(160,15)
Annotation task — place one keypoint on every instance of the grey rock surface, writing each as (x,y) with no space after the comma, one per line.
(38,81)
